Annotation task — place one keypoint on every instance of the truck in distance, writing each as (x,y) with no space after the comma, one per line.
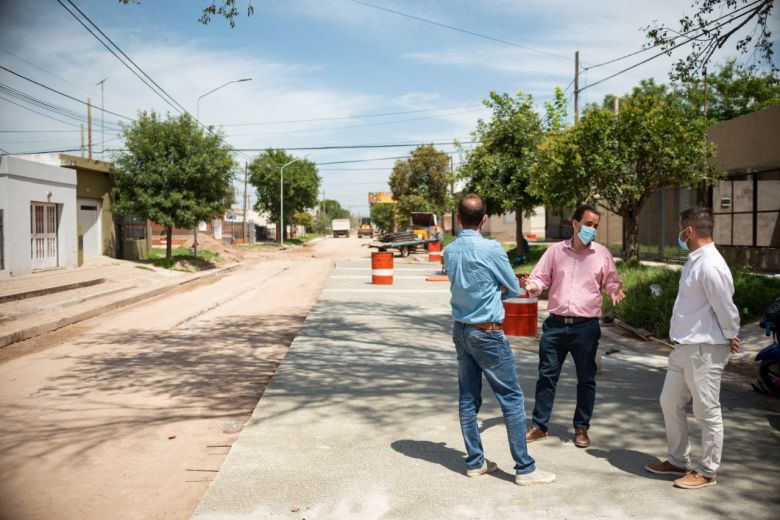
(365,229)
(340,227)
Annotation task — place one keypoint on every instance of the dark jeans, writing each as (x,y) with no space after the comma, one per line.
(558,339)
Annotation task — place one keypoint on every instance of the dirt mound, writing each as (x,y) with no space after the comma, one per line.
(227,252)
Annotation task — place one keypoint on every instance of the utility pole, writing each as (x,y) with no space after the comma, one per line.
(452,196)
(89,128)
(616,105)
(82,140)
(576,87)
(102,121)
(246,234)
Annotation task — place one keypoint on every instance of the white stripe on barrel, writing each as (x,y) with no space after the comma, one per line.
(381,272)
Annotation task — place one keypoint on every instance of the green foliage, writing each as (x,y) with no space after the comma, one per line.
(498,169)
(301,218)
(620,159)
(382,216)
(205,259)
(708,29)
(421,183)
(328,210)
(224,8)
(641,308)
(732,92)
(173,172)
(301,184)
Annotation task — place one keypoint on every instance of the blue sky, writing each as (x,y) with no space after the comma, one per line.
(318,59)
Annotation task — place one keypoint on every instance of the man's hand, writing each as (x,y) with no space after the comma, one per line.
(618,296)
(532,289)
(735,344)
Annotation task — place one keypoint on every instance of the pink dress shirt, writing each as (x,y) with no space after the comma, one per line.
(575,279)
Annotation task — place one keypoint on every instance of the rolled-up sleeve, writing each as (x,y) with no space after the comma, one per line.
(719,289)
(611,279)
(541,275)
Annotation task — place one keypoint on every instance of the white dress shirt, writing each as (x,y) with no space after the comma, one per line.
(704,311)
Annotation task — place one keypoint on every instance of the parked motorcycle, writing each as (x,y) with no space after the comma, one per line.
(769,370)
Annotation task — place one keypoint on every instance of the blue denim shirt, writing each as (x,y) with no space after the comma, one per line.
(478,268)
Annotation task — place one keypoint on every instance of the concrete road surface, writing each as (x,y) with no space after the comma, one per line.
(360,422)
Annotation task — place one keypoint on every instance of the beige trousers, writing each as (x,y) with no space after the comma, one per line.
(694,374)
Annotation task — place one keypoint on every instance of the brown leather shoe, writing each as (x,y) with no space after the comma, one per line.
(666,468)
(694,481)
(581,439)
(534,434)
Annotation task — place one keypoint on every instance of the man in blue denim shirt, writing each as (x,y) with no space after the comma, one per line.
(480,274)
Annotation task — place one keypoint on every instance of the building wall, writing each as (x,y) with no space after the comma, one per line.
(503,227)
(21,183)
(97,186)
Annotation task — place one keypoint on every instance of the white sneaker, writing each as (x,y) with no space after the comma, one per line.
(487,467)
(537,476)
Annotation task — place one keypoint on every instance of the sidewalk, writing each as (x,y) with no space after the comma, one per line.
(34,304)
(361,422)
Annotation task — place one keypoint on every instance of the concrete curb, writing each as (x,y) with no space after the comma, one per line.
(31,332)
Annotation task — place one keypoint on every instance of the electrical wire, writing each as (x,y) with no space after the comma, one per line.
(458,29)
(349,147)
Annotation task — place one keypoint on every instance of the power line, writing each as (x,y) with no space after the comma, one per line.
(381,123)
(36,112)
(349,147)
(458,29)
(62,93)
(35,131)
(161,92)
(703,29)
(356,116)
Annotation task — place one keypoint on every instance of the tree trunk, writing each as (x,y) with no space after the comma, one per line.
(519,251)
(169,241)
(278,231)
(630,237)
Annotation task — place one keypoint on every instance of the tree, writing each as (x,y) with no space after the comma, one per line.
(619,160)
(732,92)
(301,185)
(382,216)
(301,218)
(421,182)
(173,173)
(224,8)
(499,167)
(328,210)
(713,23)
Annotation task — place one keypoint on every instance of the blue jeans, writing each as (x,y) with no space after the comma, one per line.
(558,339)
(489,353)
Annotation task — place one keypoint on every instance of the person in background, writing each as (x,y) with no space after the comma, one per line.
(480,273)
(704,329)
(575,272)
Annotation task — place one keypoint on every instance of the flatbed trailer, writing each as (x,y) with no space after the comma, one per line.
(405,247)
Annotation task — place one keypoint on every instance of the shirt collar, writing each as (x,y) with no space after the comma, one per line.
(694,255)
(570,244)
(469,233)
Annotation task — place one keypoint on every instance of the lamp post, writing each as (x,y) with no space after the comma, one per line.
(281,198)
(197,121)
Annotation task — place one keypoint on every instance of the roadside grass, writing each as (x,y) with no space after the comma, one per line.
(182,260)
(652,310)
(144,267)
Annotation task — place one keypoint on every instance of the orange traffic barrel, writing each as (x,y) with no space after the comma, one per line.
(520,316)
(382,268)
(434,252)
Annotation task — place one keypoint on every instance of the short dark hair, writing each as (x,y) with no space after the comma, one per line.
(471,213)
(700,219)
(580,211)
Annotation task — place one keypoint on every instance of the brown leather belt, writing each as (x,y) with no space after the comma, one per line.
(570,320)
(487,326)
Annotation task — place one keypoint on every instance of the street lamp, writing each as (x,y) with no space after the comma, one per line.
(281,198)
(197,120)
(197,105)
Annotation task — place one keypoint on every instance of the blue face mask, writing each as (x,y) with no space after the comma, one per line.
(587,234)
(683,243)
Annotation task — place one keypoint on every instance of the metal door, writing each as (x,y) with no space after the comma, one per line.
(43,231)
(89,220)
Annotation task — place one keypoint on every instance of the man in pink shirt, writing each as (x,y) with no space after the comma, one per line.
(575,271)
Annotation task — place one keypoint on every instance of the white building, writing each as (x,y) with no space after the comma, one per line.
(38,218)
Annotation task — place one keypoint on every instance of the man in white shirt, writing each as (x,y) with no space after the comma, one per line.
(704,328)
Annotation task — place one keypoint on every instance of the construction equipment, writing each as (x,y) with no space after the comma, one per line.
(365,229)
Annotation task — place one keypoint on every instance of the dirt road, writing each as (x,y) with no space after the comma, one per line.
(124,415)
